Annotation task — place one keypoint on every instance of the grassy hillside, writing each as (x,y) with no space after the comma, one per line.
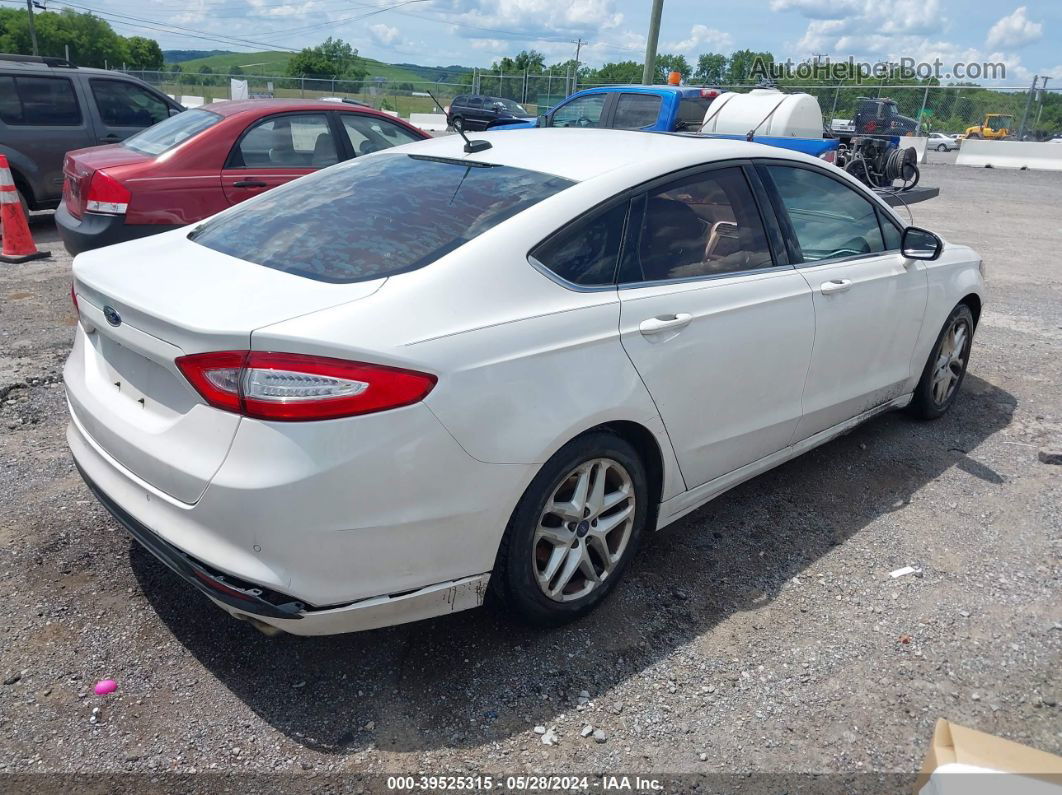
(275,63)
(259,63)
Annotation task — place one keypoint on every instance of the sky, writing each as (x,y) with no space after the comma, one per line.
(1025,36)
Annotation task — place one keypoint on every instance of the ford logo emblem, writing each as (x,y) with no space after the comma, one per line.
(112,316)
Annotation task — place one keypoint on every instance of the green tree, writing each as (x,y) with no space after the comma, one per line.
(144,54)
(529,60)
(739,67)
(92,41)
(711,68)
(235,70)
(333,58)
(667,63)
(619,72)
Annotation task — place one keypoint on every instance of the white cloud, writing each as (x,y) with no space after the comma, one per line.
(384,35)
(1014,30)
(700,38)
(819,9)
(529,20)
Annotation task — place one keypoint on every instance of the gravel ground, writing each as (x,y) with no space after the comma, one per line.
(760,634)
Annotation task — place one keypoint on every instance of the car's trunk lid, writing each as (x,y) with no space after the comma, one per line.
(143,304)
(81,164)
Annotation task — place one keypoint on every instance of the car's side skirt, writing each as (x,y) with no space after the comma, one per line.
(677,507)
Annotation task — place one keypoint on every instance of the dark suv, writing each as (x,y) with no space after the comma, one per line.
(49,107)
(478,112)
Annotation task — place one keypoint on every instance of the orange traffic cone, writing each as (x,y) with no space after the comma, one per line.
(18,242)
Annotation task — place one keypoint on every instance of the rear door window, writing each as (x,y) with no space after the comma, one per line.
(369,134)
(39,101)
(294,140)
(376,216)
(124,104)
(635,111)
(585,252)
(707,224)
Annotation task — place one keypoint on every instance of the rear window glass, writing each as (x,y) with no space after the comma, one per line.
(167,134)
(374,217)
(691,112)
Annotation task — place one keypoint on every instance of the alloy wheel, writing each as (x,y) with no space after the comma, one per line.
(951,361)
(583,530)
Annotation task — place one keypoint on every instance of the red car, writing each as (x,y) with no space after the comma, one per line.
(201,161)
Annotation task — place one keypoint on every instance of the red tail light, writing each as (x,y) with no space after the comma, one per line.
(293,386)
(106,195)
(73,297)
(830,156)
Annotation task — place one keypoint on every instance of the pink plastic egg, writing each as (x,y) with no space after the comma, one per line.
(106,686)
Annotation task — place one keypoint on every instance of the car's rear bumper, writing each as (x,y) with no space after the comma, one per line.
(386,522)
(94,230)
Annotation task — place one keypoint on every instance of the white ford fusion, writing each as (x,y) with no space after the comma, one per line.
(423,378)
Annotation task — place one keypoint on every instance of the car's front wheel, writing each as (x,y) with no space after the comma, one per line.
(942,148)
(574,531)
(946,368)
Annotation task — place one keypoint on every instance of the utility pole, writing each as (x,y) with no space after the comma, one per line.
(575,78)
(650,44)
(1043,88)
(1028,104)
(33,30)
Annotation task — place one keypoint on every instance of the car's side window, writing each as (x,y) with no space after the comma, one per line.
(475,102)
(123,104)
(581,112)
(295,140)
(585,252)
(829,218)
(40,101)
(368,134)
(634,111)
(702,225)
(893,234)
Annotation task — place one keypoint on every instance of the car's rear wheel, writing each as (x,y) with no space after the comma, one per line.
(946,368)
(574,531)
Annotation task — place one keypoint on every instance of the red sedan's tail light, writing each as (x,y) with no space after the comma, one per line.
(293,386)
(106,195)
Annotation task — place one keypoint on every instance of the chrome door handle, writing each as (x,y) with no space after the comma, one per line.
(835,286)
(655,325)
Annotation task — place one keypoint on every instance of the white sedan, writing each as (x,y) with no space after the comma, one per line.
(425,378)
(942,142)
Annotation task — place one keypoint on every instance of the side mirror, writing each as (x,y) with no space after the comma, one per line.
(543,120)
(175,111)
(919,243)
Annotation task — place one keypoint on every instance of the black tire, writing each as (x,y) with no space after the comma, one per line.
(455,123)
(942,148)
(514,583)
(927,403)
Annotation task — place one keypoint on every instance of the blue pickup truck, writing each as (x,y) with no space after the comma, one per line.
(654,109)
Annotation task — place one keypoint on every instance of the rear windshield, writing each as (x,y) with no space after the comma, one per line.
(168,133)
(374,217)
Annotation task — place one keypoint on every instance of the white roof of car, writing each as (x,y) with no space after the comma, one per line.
(581,154)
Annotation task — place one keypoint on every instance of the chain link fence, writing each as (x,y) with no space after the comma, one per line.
(951,109)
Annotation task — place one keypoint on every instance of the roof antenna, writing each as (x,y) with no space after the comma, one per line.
(470,146)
